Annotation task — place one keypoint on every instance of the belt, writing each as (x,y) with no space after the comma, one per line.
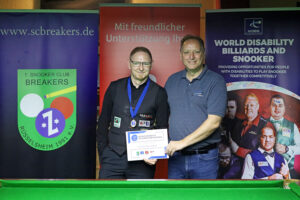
(202,150)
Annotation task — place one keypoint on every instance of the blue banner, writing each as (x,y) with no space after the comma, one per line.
(257,52)
(48,93)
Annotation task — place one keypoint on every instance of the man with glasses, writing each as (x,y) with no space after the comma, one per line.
(131,103)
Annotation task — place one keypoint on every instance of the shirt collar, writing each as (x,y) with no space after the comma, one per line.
(272,119)
(141,86)
(204,70)
(254,122)
(262,150)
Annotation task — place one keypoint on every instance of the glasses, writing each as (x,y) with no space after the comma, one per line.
(137,63)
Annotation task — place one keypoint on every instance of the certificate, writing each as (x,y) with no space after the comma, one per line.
(146,144)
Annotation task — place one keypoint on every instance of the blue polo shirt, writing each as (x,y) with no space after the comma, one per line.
(192,102)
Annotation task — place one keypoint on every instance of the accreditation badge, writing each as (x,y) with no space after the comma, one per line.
(144,123)
(286,132)
(47,107)
(117,122)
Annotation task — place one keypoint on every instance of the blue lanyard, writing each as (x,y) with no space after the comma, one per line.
(133,113)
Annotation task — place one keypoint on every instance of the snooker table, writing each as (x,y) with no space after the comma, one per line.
(147,190)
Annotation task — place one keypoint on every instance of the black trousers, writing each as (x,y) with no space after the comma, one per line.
(114,166)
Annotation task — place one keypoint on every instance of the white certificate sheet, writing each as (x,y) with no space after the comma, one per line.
(146,144)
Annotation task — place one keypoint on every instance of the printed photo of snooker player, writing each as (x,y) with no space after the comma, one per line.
(276,106)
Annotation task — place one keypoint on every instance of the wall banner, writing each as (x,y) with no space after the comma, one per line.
(157,27)
(257,52)
(48,104)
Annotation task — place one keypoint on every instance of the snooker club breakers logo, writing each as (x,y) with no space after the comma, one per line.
(46,107)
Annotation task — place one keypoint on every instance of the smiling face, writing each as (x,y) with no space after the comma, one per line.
(192,55)
(251,107)
(267,139)
(140,65)
(277,108)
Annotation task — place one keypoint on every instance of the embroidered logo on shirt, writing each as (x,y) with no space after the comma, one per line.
(198,94)
(262,163)
(253,132)
(144,123)
(286,132)
(117,122)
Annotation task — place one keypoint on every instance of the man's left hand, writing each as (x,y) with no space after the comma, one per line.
(150,161)
(174,146)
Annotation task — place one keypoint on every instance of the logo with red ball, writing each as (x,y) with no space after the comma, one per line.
(47,107)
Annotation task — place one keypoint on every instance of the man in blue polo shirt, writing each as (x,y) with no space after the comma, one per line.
(197,97)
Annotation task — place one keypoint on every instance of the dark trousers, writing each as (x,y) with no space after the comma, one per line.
(114,166)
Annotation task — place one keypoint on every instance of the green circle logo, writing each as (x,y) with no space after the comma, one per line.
(47,107)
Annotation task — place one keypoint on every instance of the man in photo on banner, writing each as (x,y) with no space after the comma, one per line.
(245,136)
(227,125)
(288,136)
(130,104)
(197,97)
(264,162)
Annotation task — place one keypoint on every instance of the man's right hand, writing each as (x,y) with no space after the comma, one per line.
(275,176)
(284,171)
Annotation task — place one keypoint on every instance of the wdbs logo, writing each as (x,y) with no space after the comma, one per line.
(253,26)
(47,107)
